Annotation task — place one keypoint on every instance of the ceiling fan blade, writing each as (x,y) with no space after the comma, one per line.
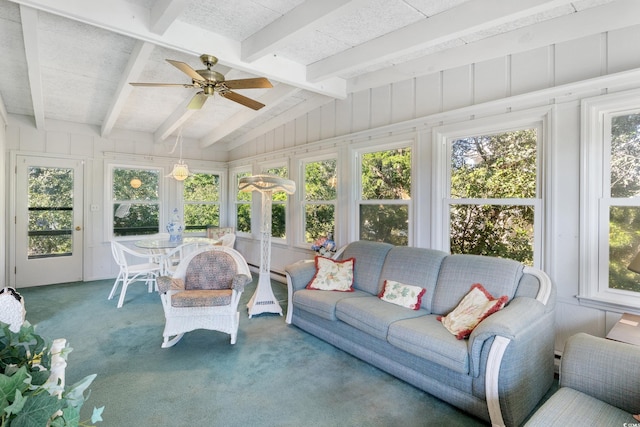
(197,101)
(185,68)
(161,84)
(240,99)
(256,83)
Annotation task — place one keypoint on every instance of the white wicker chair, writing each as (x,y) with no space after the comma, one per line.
(145,271)
(204,293)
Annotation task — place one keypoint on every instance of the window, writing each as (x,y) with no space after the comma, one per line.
(201,196)
(242,205)
(50,211)
(610,205)
(493,194)
(385,196)
(319,199)
(279,205)
(135,196)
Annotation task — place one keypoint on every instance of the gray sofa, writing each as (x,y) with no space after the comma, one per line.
(498,374)
(599,385)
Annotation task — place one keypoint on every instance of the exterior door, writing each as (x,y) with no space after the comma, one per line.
(48,219)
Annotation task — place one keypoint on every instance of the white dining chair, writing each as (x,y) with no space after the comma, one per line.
(134,266)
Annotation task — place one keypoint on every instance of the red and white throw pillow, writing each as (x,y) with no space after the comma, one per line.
(476,306)
(332,275)
(400,294)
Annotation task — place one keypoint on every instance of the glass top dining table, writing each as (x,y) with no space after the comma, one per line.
(165,243)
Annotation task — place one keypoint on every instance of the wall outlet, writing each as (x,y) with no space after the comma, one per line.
(95,208)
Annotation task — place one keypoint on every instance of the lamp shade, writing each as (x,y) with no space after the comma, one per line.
(180,171)
(634,265)
(266,183)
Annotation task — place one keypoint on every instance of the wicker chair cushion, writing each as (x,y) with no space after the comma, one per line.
(202,298)
(210,270)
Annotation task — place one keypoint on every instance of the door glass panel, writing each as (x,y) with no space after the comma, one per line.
(50,210)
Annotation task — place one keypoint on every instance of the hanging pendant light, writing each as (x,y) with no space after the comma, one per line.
(180,170)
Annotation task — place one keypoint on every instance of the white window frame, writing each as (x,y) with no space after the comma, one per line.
(443,137)
(110,201)
(384,145)
(221,197)
(300,241)
(595,202)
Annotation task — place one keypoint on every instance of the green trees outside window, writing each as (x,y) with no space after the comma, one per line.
(624,209)
(201,196)
(492,193)
(136,201)
(243,206)
(279,205)
(319,202)
(50,211)
(385,196)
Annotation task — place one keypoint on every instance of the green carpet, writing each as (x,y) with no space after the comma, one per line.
(275,375)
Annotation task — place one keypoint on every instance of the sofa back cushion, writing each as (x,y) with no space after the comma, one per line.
(499,276)
(369,258)
(413,266)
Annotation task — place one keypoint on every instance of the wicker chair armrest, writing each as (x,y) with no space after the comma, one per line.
(166,283)
(239,282)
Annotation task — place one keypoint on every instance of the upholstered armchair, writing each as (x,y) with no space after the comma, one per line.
(203,293)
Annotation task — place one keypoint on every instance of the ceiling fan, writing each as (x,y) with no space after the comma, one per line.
(211,82)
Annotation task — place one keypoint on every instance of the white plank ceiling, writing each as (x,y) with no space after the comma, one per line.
(72,60)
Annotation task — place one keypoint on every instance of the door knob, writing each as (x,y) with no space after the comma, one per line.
(78,228)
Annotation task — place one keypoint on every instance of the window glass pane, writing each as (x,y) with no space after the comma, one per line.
(201,194)
(320,180)
(50,211)
(198,216)
(625,156)
(243,217)
(504,231)
(135,195)
(495,166)
(135,184)
(130,219)
(387,175)
(385,223)
(319,221)
(202,187)
(624,241)
(242,196)
(278,221)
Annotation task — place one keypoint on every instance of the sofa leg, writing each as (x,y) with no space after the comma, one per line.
(491,380)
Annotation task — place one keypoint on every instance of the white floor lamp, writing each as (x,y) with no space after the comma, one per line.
(263,300)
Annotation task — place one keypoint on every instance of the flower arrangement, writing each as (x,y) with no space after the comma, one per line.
(324,246)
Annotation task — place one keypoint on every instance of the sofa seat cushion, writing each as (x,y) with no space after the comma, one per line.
(323,303)
(202,298)
(427,338)
(571,407)
(372,315)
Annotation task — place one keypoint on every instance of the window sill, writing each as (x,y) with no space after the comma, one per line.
(616,305)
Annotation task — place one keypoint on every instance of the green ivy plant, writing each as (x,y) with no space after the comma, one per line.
(26,399)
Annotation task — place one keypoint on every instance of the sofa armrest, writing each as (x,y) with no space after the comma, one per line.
(512,322)
(300,274)
(606,370)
